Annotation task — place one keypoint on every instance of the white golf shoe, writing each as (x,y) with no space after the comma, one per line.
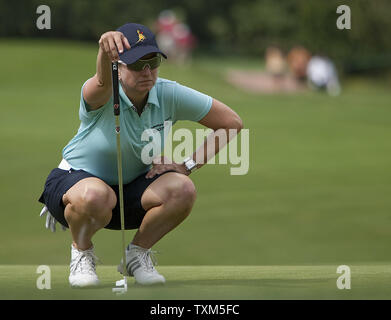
(140,265)
(82,268)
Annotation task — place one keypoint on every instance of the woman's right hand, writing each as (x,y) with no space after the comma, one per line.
(112,43)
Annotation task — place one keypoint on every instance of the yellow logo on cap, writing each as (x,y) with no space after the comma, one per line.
(141,36)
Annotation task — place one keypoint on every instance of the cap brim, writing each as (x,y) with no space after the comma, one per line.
(133,54)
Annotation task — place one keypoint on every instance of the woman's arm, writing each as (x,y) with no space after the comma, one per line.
(97,90)
(222,120)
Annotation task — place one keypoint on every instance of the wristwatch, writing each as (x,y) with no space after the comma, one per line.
(190,164)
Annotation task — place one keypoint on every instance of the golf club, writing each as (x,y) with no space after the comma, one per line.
(114,68)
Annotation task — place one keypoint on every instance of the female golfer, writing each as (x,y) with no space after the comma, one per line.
(82,193)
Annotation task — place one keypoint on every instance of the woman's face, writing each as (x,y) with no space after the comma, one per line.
(138,82)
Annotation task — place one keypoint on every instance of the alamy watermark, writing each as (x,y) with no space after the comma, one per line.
(344,20)
(207,141)
(344,281)
(45,18)
(44,280)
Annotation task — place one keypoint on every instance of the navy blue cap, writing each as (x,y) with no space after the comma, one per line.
(142,42)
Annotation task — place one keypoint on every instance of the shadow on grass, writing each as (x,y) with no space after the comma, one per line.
(276,283)
(103,285)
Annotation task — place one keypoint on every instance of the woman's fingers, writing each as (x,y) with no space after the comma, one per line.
(105,46)
(118,43)
(157,169)
(125,41)
(113,50)
(113,43)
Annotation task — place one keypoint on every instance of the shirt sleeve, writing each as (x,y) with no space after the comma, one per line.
(85,112)
(190,104)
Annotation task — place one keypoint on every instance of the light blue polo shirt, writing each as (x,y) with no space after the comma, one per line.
(94,147)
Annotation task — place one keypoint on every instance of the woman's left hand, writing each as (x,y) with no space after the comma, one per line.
(163,164)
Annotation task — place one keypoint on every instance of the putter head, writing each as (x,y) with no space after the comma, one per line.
(121,286)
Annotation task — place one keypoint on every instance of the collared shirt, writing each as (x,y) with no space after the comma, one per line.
(94,147)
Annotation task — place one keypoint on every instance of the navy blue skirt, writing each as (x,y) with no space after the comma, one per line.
(60,181)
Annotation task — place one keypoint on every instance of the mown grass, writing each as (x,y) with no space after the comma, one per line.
(317,191)
(207,282)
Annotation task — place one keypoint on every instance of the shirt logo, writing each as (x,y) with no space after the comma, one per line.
(160,126)
(141,36)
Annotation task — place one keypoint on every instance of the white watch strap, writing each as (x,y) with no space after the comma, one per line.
(190,164)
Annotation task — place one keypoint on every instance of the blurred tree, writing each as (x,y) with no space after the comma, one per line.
(226,26)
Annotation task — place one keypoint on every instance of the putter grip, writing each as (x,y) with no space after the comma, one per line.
(114,72)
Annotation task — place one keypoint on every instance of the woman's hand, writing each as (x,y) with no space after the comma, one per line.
(163,164)
(112,43)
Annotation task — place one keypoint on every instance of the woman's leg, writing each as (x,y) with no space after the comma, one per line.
(88,208)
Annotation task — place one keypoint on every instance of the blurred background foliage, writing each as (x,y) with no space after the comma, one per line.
(229,27)
(318,189)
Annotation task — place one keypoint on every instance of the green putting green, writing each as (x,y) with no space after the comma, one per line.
(316,194)
(207,282)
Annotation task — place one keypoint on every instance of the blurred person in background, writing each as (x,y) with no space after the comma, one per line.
(322,75)
(174,37)
(298,58)
(275,67)
(275,62)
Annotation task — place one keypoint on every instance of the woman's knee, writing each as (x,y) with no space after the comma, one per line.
(182,189)
(171,187)
(98,199)
(91,198)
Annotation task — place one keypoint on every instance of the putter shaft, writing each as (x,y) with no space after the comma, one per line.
(119,159)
